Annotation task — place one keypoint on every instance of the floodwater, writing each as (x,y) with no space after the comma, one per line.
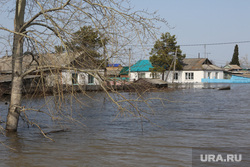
(186,118)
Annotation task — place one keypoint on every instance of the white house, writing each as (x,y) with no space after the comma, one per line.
(85,72)
(194,70)
(81,78)
(70,77)
(141,69)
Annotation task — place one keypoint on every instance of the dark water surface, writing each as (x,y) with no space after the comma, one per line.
(187,118)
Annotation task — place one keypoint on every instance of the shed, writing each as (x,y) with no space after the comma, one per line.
(124,72)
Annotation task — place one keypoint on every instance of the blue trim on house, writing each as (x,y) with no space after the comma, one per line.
(234,79)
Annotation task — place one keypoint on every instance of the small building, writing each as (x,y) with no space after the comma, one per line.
(194,70)
(142,69)
(113,70)
(85,73)
(71,77)
(124,72)
(231,69)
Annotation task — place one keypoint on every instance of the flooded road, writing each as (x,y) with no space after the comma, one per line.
(186,118)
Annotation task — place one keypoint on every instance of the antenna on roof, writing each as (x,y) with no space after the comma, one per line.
(205,51)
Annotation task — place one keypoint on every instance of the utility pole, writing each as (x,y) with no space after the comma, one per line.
(105,60)
(174,64)
(129,62)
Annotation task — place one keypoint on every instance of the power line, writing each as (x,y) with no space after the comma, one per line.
(222,43)
(198,44)
(184,45)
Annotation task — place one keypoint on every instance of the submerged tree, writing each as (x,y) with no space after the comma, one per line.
(163,54)
(40,25)
(235,58)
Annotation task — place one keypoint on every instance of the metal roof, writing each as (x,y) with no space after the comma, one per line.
(141,66)
(114,65)
(124,70)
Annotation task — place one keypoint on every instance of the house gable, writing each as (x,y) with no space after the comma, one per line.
(231,67)
(199,64)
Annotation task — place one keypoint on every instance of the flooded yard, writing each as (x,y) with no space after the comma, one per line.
(187,118)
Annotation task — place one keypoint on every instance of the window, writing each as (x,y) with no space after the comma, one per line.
(90,79)
(142,75)
(209,74)
(175,76)
(216,75)
(154,75)
(189,75)
(74,78)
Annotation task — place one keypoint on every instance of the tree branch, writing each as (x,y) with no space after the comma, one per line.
(44,25)
(51,67)
(28,23)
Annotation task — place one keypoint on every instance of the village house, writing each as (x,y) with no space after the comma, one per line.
(141,69)
(76,70)
(29,81)
(194,70)
(65,69)
(124,72)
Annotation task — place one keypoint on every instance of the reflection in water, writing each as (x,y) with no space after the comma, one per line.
(189,118)
(15,144)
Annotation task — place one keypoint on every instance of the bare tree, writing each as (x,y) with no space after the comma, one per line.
(40,25)
(244,62)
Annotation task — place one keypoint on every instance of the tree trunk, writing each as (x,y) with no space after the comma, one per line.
(162,77)
(17,59)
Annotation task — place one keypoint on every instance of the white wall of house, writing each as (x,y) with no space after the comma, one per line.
(134,76)
(53,79)
(66,77)
(73,78)
(214,74)
(192,76)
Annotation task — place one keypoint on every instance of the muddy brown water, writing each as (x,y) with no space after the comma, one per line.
(187,118)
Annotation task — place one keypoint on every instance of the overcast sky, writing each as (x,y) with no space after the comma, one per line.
(205,22)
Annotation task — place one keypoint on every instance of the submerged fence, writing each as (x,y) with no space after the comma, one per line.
(234,79)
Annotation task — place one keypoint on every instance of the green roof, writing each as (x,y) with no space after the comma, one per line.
(124,71)
(141,66)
